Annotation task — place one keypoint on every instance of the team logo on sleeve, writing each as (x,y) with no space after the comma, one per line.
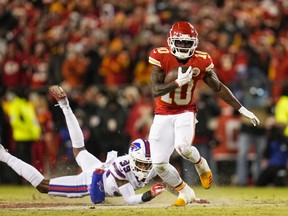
(195,72)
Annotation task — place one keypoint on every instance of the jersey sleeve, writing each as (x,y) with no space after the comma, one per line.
(154,58)
(205,62)
(210,64)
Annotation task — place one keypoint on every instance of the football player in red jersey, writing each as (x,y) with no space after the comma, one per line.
(175,112)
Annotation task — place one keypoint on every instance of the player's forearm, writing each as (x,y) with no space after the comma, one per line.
(129,195)
(162,89)
(131,198)
(226,95)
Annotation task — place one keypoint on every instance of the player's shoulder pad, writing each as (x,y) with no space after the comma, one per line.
(206,59)
(155,55)
(202,54)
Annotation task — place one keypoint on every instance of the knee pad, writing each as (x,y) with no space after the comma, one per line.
(161,168)
(189,153)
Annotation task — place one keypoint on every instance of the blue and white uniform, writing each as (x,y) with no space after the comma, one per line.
(118,168)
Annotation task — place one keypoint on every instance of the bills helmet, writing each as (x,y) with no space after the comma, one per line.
(182,40)
(140,159)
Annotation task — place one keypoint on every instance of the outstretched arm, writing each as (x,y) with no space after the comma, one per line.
(221,90)
(225,94)
(129,195)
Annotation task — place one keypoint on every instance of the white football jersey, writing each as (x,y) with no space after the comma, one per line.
(120,169)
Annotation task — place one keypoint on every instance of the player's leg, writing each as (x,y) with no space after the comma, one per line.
(184,136)
(161,143)
(23,169)
(84,159)
(259,142)
(71,186)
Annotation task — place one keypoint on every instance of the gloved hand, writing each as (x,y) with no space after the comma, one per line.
(254,120)
(157,189)
(183,78)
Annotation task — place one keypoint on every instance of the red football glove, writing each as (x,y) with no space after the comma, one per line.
(157,189)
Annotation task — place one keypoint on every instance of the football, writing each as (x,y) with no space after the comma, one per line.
(173,74)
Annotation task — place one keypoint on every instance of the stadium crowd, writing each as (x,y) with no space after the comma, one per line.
(97,51)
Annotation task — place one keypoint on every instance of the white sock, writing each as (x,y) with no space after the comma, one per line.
(23,169)
(74,129)
(187,193)
(202,166)
(169,174)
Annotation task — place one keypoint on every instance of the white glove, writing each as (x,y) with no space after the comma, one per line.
(254,120)
(183,78)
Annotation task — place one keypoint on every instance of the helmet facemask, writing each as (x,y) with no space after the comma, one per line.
(141,169)
(182,40)
(182,47)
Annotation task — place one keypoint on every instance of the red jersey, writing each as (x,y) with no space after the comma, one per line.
(181,99)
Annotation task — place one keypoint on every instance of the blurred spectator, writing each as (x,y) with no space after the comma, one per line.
(37,70)
(275,171)
(13,74)
(25,126)
(281,111)
(142,69)
(278,71)
(140,116)
(74,67)
(112,126)
(91,52)
(45,150)
(256,95)
(55,62)
(115,65)
(90,102)
(7,19)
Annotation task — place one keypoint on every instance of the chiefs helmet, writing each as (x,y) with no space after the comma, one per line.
(182,40)
(140,161)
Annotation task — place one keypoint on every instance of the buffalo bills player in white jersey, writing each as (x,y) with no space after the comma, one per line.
(175,111)
(118,176)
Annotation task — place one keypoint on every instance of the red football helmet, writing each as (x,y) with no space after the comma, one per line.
(182,40)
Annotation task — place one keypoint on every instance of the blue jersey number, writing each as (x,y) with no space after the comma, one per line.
(125,166)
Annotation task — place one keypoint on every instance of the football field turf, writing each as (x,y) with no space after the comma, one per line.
(25,200)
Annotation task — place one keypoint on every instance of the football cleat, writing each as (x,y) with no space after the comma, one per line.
(57,92)
(206,179)
(205,173)
(179,202)
(186,195)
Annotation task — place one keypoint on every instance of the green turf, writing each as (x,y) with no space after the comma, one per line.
(224,201)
